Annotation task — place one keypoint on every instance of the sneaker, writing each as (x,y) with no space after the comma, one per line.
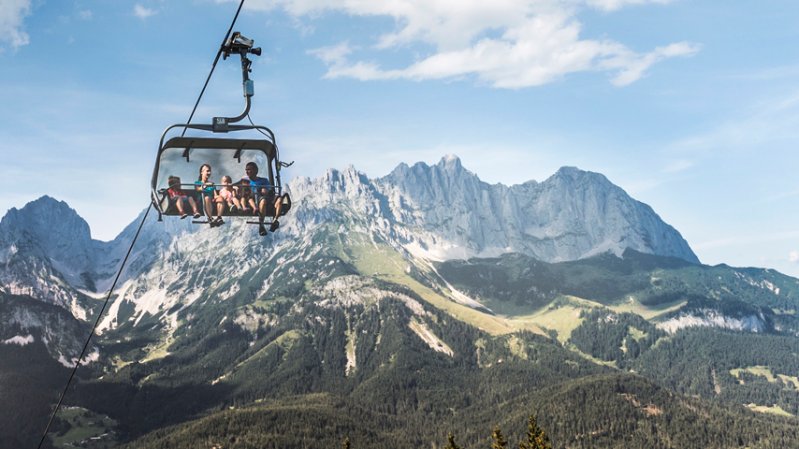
(261,230)
(219,221)
(197,215)
(213,223)
(233,209)
(184,216)
(275,224)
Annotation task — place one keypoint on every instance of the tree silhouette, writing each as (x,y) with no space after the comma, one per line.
(536,437)
(451,442)
(499,440)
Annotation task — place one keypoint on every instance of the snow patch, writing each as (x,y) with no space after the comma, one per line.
(77,311)
(19,340)
(93,357)
(110,320)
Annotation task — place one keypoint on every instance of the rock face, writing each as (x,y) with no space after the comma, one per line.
(347,288)
(41,244)
(572,215)
(437,212)
(434,212)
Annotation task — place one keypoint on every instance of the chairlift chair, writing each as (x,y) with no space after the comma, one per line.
(183,155)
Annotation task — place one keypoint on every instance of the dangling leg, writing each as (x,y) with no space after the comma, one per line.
(209,210)
(220,208)
(181,209)
(276,224)
(261,214)
(193,205)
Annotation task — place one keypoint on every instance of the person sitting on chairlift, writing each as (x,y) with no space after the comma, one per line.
(177,195)
(226,195)
(263,191)
(208,193)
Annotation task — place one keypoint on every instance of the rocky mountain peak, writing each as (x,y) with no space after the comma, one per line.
(49,228)
(450,162)
(441,211)
(47,220)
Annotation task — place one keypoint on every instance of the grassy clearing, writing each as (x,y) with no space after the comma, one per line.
(86,429)
(647,312)
(284,341)
(561,315)
(385,263)
(159,350)
(119,363)
(516,347)
(773,409)
(763,371)
(790,380)
(577,350)
(637,334)
(779,311)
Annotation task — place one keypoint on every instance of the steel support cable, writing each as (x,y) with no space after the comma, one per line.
(213,66)
(94,328)
(135,237)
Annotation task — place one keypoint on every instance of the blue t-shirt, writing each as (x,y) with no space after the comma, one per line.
(257,184)
(206,190)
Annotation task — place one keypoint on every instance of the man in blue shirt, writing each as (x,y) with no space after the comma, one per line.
(262,191)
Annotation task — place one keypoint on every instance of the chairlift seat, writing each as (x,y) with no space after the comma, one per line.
(185,153)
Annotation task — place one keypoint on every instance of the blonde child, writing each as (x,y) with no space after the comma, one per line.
(227,195)
(177,195)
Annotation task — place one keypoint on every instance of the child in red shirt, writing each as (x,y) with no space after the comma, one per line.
(179,197)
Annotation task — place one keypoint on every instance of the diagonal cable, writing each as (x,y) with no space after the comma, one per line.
(96,323)
(213,66)
(130,249)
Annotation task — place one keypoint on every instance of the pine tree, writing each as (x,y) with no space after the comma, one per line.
(451,442)
(499,440)
(536,437)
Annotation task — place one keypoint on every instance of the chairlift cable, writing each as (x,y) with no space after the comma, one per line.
(213,66)
(96,323)
(132,243)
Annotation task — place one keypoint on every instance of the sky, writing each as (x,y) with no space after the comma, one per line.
(691,107)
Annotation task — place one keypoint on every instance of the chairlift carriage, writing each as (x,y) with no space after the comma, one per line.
(182,156)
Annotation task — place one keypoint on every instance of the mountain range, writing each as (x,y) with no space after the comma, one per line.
(393,310)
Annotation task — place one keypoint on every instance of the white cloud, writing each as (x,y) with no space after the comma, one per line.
(85,14)
(12,13)
(612,5)
(504,43)
(793,256)
(143,12)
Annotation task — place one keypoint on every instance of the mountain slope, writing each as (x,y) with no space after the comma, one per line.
(350,306)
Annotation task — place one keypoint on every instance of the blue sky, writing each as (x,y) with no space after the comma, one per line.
(690,106)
